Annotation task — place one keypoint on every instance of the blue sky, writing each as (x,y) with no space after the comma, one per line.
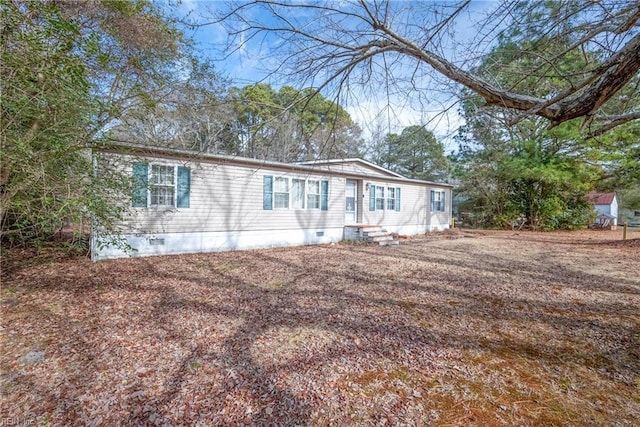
(250,63)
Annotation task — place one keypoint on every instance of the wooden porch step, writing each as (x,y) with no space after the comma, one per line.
(373,234)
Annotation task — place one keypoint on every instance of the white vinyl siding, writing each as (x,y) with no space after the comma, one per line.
(410,207)
(228,197)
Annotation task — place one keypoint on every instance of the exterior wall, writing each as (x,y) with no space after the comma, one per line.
(226,209)
(226,212)
(603,209)
(148,244)
(414,216)
(611,210)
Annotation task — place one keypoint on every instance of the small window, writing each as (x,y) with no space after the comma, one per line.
(162,185)
(379,198)
(313,194)
(391,198)
(281,193)
(437,201)
(636,213)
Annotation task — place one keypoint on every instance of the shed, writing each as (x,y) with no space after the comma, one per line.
(605,204)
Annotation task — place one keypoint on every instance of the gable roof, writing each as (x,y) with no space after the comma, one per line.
(122,147)
(351,164)
(601,198)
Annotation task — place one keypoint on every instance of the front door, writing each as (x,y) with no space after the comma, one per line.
(351,208)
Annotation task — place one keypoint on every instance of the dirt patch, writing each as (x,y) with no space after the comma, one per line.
(456,328)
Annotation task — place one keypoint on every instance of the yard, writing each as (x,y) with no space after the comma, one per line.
(456,328)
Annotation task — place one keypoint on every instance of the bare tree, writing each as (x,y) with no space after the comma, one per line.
(395,49)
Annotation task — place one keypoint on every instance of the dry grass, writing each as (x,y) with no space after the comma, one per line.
(482,328)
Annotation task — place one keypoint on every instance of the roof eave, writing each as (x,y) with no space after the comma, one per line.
(133,148)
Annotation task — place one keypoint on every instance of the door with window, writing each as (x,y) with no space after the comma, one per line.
(351,207)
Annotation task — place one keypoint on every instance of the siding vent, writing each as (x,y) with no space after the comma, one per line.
(156,242)
(319,233)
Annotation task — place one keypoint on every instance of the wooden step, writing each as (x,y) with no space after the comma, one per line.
(373,234)
(372,230)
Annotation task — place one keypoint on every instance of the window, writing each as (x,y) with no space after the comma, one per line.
(281,193)
(162,188)
(295,193)
(313,194)
(437,201)
(391,199)
(158,185)
(379,198)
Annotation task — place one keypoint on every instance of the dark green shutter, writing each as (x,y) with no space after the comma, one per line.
(184,186)
(398,198)
(324,195)
(267,193)
(443,203)
(140,182)
(372,197)
(433,202)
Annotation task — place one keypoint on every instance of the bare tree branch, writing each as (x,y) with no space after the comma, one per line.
(612,122)
(329,44)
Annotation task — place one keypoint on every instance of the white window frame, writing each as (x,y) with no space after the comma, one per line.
(380,192)
(288,192)
(439,201)
(153,185)
(293,194)
(391,201)
(317,196)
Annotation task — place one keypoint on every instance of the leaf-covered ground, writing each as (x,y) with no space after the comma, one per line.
(466,328)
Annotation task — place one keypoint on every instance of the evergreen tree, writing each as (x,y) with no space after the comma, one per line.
(415,153)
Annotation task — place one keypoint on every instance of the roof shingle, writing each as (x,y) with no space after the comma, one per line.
(601,198)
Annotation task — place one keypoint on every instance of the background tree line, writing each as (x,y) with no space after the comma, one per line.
(519,170)
(255,121)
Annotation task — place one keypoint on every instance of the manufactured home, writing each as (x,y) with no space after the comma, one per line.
(186,202)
